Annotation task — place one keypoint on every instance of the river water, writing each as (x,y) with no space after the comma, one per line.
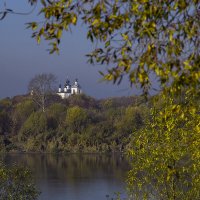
(75,176)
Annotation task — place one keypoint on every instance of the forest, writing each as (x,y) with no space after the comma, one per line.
(77,124)
(160,135)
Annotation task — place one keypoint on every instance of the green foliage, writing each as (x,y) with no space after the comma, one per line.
(5,118)
(83,101)
(76,118)
(55,115)
(5,122)
(78,124)
(5,104)
(2,145)
(137,38)
(165,154)
(133,119)
(57,109)
(34,125)
(22,111)
(25,108)
(17,183)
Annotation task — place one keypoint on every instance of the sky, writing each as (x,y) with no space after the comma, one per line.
(21,58)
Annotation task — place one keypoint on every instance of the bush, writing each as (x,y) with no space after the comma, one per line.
(17,183)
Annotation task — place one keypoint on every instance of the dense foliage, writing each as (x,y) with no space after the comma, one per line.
(138,38)
(162,136)
(78,124)
(166,153)
(17,183)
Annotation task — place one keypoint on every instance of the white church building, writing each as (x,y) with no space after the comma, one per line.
(69,89)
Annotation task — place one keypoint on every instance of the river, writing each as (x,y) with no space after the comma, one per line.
(74,176)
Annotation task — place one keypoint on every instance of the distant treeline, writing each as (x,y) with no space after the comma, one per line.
(77,124)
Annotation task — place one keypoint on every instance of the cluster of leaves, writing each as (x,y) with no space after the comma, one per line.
(78,124)
(5,122)
(140,38)
(166,156)
(17,183)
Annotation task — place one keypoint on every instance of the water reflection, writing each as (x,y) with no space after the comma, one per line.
(74,176)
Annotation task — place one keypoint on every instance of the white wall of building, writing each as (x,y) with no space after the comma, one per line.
(75,89)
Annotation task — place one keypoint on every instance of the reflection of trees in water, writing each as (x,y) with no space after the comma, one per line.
(72,166)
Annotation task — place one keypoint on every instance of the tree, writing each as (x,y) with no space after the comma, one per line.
(82,100)
(5,104)
(17,183)
(132,120)
(35,124)
(5,118)
(55,115)
(165,153)
(76,118)
(40,87)
(22,111)
(139,38)
(5,123)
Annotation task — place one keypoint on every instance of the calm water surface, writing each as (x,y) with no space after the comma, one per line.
(74,176)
